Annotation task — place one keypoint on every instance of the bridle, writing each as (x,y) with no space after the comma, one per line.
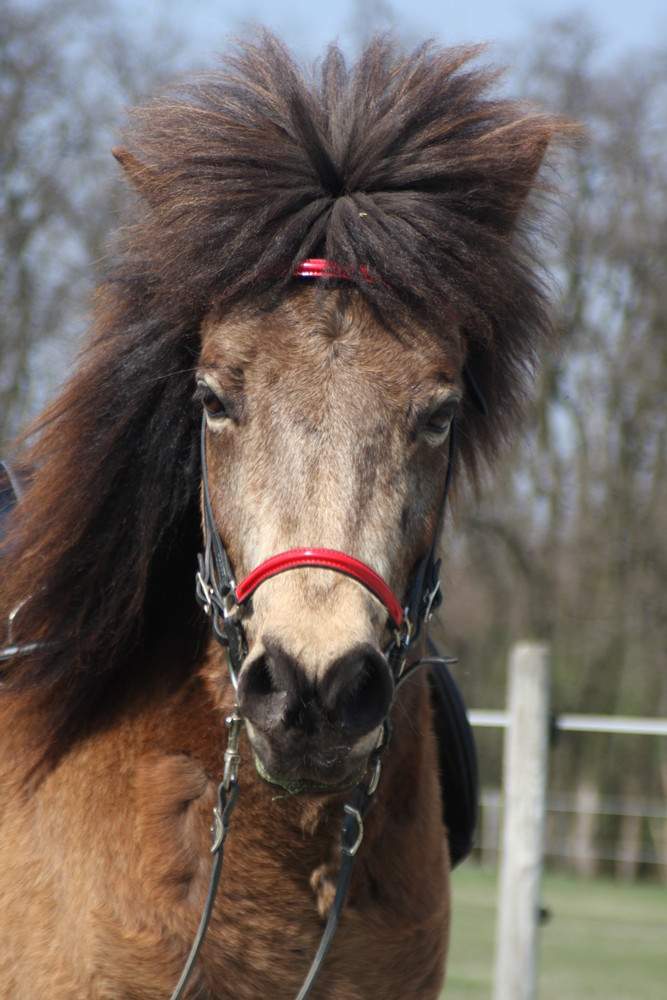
(225,601)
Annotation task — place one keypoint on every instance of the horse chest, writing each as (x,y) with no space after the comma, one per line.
(279,876)
(390,943)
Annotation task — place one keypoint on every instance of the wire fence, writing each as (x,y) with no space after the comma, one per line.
(577,838)
(586,832)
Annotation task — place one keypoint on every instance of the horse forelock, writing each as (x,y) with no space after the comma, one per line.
(402,164)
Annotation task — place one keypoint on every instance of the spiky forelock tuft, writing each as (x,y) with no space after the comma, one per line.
(403,164)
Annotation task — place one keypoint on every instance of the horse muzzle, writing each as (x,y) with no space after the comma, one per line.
(314,731)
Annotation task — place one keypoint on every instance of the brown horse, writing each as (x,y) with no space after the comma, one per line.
(333,268)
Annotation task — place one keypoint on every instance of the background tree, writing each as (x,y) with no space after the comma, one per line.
(66,72)
(572,546)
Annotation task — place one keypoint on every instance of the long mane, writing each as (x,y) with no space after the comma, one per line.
(403,164)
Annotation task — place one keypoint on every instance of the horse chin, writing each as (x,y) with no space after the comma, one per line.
(313,773)
(313,782)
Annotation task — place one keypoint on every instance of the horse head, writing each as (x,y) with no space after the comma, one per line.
(336,438)
(328,395)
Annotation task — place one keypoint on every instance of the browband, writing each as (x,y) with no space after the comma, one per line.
(318,267)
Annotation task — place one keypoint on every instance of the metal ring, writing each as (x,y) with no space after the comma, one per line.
(218,832)
(356,815)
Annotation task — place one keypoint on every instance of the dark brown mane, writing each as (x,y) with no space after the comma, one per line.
(402,164)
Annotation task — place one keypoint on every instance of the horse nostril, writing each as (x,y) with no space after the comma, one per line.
(359,692)
(353,695)
(261,699)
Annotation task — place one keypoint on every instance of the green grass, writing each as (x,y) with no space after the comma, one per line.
(605,939)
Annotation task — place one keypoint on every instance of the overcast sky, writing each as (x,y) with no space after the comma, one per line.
(307,25)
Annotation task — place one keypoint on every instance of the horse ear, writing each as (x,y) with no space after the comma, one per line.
(143,179)
(524,161)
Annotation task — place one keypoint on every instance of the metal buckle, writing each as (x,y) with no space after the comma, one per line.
(219,831)
(404,634)
(429,598)
(356,815)
(209,598)
(373,783)
(232,755)
(231,609)
(204,594)
(12,648)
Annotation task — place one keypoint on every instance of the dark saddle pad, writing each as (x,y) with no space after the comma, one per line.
(456,743)
(459,778)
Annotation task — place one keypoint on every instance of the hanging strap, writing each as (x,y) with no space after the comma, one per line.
(352,832)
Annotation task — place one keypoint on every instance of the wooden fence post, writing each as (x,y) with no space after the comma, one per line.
(525,780)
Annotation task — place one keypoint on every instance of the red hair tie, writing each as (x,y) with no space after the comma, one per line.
(318,267)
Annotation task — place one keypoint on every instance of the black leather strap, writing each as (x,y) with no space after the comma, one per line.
(225,807)
(425,595)
(360,801)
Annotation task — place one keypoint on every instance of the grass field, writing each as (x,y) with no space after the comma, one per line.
(603,939)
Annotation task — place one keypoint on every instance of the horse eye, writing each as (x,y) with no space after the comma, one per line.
(439,420)
(212,403)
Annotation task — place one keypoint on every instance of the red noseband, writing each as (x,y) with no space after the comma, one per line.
(325,559)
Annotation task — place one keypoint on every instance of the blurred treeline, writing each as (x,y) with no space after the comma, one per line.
(68,71)
(570,545)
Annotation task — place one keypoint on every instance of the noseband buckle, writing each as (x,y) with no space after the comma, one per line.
(231,609)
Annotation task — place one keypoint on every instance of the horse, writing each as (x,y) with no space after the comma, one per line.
(319,315)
